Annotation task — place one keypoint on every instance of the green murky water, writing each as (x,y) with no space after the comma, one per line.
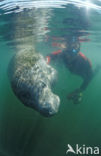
(23,132)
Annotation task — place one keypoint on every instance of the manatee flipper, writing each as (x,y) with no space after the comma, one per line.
(31,80)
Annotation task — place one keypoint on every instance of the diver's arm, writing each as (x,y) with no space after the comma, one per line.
(88,73)
(89,77)
(85,83)
(54,55)
(76,95)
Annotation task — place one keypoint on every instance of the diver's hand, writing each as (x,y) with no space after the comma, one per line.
(75,96)
(48,59)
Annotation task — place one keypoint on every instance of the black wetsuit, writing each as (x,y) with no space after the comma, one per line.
(78,64)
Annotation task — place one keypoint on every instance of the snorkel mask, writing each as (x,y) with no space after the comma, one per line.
(73,45)
(75,50)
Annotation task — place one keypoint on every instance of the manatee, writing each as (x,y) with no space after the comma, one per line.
(31,79)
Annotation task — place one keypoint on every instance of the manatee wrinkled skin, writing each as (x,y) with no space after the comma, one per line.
(31,79)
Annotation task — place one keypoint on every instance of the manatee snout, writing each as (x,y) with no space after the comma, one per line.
(48,103)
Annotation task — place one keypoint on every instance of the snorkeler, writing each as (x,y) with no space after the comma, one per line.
(77,63)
